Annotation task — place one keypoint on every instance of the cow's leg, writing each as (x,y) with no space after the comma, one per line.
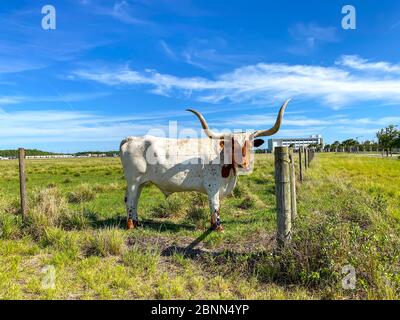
(131,201)
(213,198)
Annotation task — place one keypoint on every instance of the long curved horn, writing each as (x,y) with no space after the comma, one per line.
(204,124)
(277,125)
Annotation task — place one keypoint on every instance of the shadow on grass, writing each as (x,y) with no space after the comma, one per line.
(190,251)
(161,226)
(196,251)
(96,222)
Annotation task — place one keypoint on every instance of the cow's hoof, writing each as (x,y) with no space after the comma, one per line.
(132,224)
(218,228)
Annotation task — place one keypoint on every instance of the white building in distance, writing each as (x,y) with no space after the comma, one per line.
(297,142)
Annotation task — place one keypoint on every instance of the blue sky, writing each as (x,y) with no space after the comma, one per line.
(116,68)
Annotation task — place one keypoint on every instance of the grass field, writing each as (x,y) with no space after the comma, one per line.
(349,211)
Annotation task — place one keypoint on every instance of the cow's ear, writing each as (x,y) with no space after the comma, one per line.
(258,142)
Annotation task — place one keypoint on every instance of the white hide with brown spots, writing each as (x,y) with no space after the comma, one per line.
(209,165)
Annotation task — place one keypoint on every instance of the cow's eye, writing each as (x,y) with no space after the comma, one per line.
(258,142)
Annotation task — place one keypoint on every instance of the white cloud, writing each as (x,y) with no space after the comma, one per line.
(303,132)
(70,97)
(210,54)
(257,121)
(15,65)
(340,127)
(56,126)
(357,131)
(334,86)
(167,50)
(52,126)
(67,126)
(7,100)
(395,25)
(121,10)
(384,121)
(358,63)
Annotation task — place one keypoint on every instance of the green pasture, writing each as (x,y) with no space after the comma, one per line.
(349,210)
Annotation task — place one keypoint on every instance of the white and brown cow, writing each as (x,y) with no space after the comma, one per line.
(208,165)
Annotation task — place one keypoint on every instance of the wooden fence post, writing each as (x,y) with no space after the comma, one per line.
(305,158)
(22,182)
(282,191)
(293,203)
(300,166)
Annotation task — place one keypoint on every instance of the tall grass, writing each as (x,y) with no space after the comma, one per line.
(82,193)
(103,243)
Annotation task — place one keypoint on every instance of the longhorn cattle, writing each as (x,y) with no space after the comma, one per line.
(208,165)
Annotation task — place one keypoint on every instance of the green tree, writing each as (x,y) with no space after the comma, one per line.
(397,140)
(350,144)
(335,145)
(388,138)
(29,152)
(368,145)
(327,147)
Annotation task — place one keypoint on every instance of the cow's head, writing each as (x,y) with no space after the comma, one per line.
(238,146)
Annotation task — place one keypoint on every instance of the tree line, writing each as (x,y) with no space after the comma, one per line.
(387,140)
(29,152)
(36,152)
